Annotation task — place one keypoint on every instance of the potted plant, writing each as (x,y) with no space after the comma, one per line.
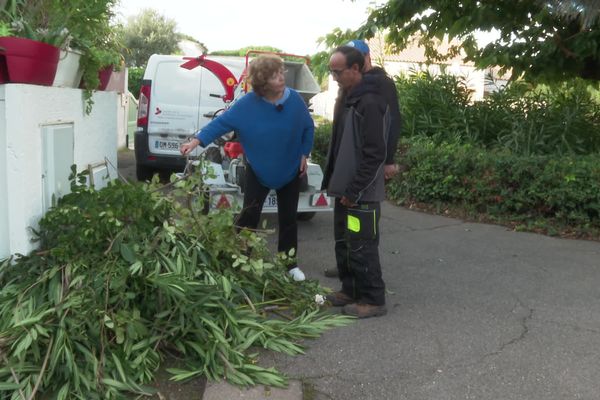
(30,42)
(82,25)
(99,60)
(93,34)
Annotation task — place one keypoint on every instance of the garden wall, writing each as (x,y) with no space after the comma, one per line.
(43,131)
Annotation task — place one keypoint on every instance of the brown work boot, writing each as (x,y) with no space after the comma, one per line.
(361,310)
(331,272)
(339,299)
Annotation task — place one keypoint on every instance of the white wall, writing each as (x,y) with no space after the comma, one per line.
(122,117)
(118,83)
(323,103)
(24,112)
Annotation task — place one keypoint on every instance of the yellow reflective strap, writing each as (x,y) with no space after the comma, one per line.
(374,223)
(353,224)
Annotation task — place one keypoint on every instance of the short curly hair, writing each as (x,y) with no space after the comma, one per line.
(261,70)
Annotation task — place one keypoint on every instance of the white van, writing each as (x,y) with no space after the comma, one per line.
(177,102)
(174,104)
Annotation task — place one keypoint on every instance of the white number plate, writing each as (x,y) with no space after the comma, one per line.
(166,145)
(270,201)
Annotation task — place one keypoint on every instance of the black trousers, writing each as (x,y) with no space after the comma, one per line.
(356,233)
(287,207)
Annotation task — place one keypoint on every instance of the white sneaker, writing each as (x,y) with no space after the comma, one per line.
(297,274)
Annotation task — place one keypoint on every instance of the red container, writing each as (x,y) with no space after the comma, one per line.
(233,149)
(27,61)
(104,76)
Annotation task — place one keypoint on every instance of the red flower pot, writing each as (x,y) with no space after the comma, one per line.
(104,76)
(27,61)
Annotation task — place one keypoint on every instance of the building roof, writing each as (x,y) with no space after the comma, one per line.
(413,53)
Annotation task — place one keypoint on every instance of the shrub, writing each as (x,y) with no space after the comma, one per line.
(560,190)
(432,105)
(136,74)
(321,143)
(558,119)
(127,275)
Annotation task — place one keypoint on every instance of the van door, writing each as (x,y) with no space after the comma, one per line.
(212,90)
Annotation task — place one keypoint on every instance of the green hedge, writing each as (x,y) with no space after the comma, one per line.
(560,191)
(523,118)
(136,74)
(321,143)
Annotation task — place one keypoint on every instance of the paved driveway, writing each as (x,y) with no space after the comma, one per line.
(475,312)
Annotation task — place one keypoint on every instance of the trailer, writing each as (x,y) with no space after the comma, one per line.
(180,95)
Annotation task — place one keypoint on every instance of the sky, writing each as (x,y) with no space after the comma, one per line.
(292,26)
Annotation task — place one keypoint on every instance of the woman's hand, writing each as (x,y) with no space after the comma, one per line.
(303,166)
(189,146)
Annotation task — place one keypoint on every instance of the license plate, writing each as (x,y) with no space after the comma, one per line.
(270,201)
(166,145)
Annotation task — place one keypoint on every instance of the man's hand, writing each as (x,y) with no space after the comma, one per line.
(303,166)
(189,146)
(346,202)
(390,170)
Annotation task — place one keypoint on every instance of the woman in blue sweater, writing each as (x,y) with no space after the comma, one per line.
(276,131)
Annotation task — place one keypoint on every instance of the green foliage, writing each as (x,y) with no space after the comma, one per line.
(202,46)
(562,118)
(134,83)
(242,52)
(319,63)
(545,190)
(42,20)
(537,39)
(149,33)
(128,274)
(84,25)
(432,105)
(319,66)
(5,29)
(321,143)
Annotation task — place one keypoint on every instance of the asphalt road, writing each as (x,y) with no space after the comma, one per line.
(474,312)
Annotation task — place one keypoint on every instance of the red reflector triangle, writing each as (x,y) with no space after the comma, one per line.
(223,202)
(322,201)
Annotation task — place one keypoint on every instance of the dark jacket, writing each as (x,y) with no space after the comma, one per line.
(387,89)
(358,147)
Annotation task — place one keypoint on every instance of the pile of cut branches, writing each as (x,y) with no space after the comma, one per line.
(127,275)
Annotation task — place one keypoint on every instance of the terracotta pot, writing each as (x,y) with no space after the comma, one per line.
(27,61)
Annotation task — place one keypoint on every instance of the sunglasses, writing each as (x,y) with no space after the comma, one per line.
(337,72)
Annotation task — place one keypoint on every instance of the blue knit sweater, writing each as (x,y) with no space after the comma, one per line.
(274,138)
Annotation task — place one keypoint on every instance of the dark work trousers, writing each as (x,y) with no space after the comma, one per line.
(356,233)
(287,207)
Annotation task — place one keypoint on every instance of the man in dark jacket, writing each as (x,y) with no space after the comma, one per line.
(354,175)
(387,89)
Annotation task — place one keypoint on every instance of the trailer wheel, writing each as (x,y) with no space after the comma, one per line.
(305,216)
